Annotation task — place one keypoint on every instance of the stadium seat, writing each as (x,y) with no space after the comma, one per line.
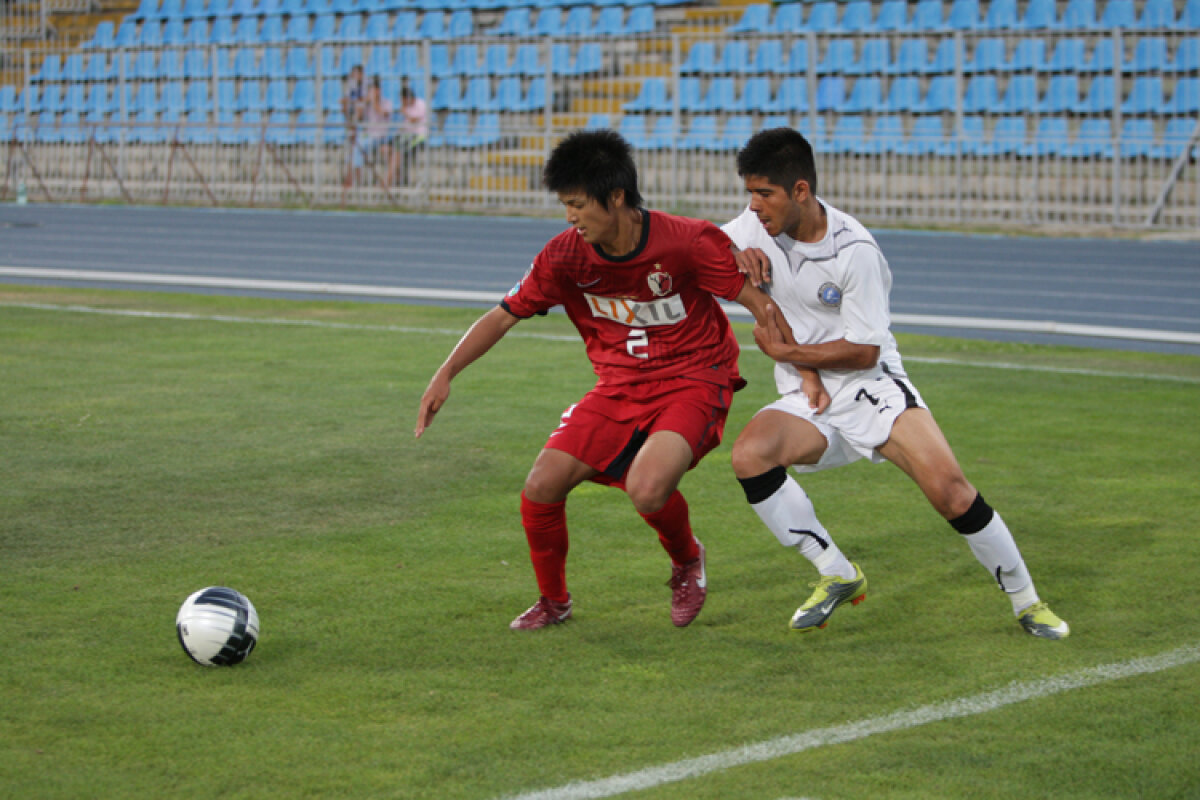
(1149,55)
(296,64)
(447,95)
(1039,15)
(699,58)
(945,57)
(196,98)
(1137,138)
(887,136)
(1021,96)
(1145,96)
(8,99)
(249,98)
(700,132)
(578,21)
(1118,14)
(597,122)
(963,15)
(849,133)
(721,95)
(928,136)
(1093,139)
(873,58)
(1101,58)
(1062,95)
(1029,56)
(690,94)
(912,57)
(865,96)
(755,95)
(272,63)
(940,96)
(768,57)
(1051,138)
(1186,98)
(927,16)
(147,9)
(1079,15)
(1187,56)
(432,26)
(245,64)
(1001,15)
(990,55)
(1100,97)
(791,95)
(796,61)
(1067,55)
(1176,135)
(99,69)
(549,21)
(857,17)
(662,135)
(509,95)
(102,37)
(1190,16)
(789,18)
(641,20)
(756,18)
(405,25)
(982,95)
(736,131)
(50,71)
(831,93)
(839,54)
(527,60)
(277,96)
(822,17)
(904,94)
(517,21)
(632,128)
(775,121)
(99,100)
(652,96)
(892,16)
(610,21)
(495,61)
(174,33)
(734,58)
(477,96)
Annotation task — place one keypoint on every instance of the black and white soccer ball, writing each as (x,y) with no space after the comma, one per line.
(217,626)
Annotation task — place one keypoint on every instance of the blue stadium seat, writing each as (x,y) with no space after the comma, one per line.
(963,15)
(641,21)
(1067,55)
(1187,56)
(651,96)
(775,121)
(196,98)
(874,57)
(147,9)
(927,16)
(945,58)
(791,95)
(1137,138)
(405,25)
(822,16)
(721,95)
(51,69)
(940,96)
(245,63)
(699,57)
(1186,98)
(982,95)
(1190,16)
(1001,15)
(578,21)
(466,60)
(1079,15)
(174,33)
(734,134)
(857,17)
(1101,58)
(755,95)
(99,99)
(662,135)
(990,55)
(549,21)
(735,58)
(1051,138)
(447,95)
(831,93)
(495,61)
(1100,97)
(102,37)
(249,98)
(1093,139)
(1062,95)
(768,57)
(350,29)
(527,60)
(865,96)
(597,122)
(756,18)
(272,63)
(839,54)
(610,21)
(145,98)
(535,95)
(928,136)
(8,99)
(1029,56)
(690,94)
(477,96)
(887,136)
(700,132)
(632,128)
(277,96)
(1176,135)
(517,21)
(99,69)
(789,18)
(1145,97)
(796,61)
(849,133)
(904,94)
(1149,55)
(912,57)
(377,27)
(892,16)
(1039,15)
(432,25)
(1118,14)
(509,95)
(1021,96)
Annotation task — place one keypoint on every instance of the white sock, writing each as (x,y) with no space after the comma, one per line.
(791,517)
(995,548)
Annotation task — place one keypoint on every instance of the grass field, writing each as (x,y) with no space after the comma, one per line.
(267,445)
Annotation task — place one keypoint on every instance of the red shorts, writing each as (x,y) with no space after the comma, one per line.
(610,424)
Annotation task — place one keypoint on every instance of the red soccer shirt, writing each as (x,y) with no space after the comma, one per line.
(648,315)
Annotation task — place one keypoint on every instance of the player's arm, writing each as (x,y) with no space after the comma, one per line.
(482,336)
(754,263)
(775,339)
(759,304)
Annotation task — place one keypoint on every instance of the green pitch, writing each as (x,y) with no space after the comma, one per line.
(267,445)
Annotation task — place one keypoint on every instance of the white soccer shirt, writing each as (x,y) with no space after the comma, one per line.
(833,289)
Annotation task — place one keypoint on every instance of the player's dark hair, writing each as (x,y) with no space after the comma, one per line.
(595,162)
(782,156)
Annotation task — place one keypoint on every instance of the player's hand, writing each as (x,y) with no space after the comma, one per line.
(770,336)
(431,403)
(814,390)
(755,264)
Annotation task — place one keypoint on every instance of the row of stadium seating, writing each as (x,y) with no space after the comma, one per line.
(930,15)
(201,9)
(738,57)
(983,94)
(853,134)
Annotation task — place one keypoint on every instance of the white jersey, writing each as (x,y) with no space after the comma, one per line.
(833,289)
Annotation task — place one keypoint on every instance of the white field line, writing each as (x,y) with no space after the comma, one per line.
(304,323)
(395,292)
(782,746)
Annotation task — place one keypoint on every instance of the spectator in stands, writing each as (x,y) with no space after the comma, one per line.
(410,139)
(353,99)
(829,284)
(374,147)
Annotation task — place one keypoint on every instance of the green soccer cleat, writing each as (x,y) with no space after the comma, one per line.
(1039,620)
(831,591)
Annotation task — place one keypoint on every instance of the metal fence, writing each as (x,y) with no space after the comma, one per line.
(1081,128)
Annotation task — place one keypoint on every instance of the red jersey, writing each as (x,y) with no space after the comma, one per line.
(648,315)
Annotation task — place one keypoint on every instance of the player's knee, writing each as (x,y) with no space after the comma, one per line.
(648,497)
(953,496)
(542,487)
(753,455)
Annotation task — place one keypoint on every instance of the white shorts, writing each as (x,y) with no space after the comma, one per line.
(859,419)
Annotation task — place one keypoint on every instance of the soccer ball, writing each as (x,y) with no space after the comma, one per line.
(217,626)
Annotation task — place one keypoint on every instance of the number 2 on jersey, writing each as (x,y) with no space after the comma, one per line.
(638,338)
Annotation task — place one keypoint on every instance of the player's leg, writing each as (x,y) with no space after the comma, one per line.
(918,447)
(544,516)
(775,439)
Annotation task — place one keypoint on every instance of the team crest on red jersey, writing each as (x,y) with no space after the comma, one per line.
(660,281)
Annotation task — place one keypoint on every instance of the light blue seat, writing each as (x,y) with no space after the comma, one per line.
(886,136)
(990,55)
(610,21)
(928,136)
(527,60)
(102,37)
(1079,15)
(1062,95)
(1138,138)
(849,134)
(277,96)
(405,26)
(1100,97)
(982,95)
(249,98)
(940,96)
(735,58)
(1101,57)
(589,59)
(927,16)
(776,121)
(768,56)
(1051,138)
(789,18)
(796,61)
(1176,135)
(734,134)
(1001,15)
(1187,56)
(632,129)
(691,93)
(597,122)
(700,133)
(1118,14)
(461,24)
(495,61)
(651,96)
(822,17)
(945,57)
(272,63)
(99,69)
(874,57)
(98,99)
(197,98)
(963,15)
(755,95)
(1021,96)
(857,17)
(865,96)
(791,95)
(641,21)
(892,16)
(912,57)
(51,69)
(1039,15)
(549,21)
(517,21)
(432,25)
(1145,96)
(1149,55)
(831,93)
(447,95)
(839,55)
(1185,100)
(578,21)
(509,95)
(1029,56)
(1067,55)
(700,57)
(904,94)
(720,96)
(477,96)
(756,18)
(1092,140)
(75,98)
